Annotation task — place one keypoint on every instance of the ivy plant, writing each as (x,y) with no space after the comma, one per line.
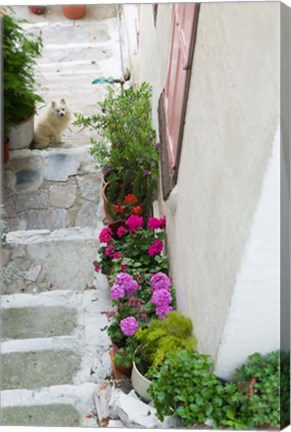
(264,403)
(186,388)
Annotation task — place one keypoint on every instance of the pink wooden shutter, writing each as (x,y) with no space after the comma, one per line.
(184,19)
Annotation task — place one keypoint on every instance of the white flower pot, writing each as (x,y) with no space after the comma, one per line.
(140,383)
(21,135)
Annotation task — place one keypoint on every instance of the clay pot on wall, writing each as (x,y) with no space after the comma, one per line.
(74,11)
(38,10)
(109,209)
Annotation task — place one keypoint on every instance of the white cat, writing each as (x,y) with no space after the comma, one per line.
(51,124)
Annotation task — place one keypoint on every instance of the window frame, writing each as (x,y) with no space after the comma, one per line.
(171,151)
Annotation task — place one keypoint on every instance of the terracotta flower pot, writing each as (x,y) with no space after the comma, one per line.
(38,10)
(110,209)
(74,12)
(121,369)
(115,225)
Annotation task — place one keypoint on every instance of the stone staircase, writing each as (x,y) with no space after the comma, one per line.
(54,354)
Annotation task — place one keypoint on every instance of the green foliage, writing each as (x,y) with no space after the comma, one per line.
(126,143)
(185,387)
(126,355)
(19,51)
(284,388)
(163,337)
(264,404)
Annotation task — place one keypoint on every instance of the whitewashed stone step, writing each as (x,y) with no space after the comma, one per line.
(65,258)
(87,342)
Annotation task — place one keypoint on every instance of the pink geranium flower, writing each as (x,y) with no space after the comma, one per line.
(117,292)
(129,326)
(153,223)
(155,248)
(134,222)
(161,297)
(106,235)
(128,284)
(162,311)
(163,222)
(109,251)
(121,231)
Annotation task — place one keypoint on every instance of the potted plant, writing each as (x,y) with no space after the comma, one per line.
(265,380)
(38,10)
(74,11)
(185,387)
(162,337)
(130,314)
(20,52)
(126,145)
(134,247)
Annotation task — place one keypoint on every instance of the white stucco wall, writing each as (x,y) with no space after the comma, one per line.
(285,122)
(231,120)
(149,59)
(253,319)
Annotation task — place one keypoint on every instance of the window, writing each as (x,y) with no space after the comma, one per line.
(174,98)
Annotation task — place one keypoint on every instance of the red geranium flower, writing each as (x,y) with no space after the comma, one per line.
(131,199)
(121,208)
(137,210)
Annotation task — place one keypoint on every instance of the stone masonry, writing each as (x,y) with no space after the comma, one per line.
(54,354)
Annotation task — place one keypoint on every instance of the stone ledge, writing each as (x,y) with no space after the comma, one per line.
(40,236)
(65,393)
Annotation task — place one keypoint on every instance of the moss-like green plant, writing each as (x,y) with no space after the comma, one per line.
(164,337)
(20,51)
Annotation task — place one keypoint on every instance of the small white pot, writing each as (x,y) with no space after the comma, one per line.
(21,135)
(140,383)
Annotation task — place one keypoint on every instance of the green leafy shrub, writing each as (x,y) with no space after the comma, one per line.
(185,387)
(163,337)
(126,147)
(19,51)
(284,388)
(264,404)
